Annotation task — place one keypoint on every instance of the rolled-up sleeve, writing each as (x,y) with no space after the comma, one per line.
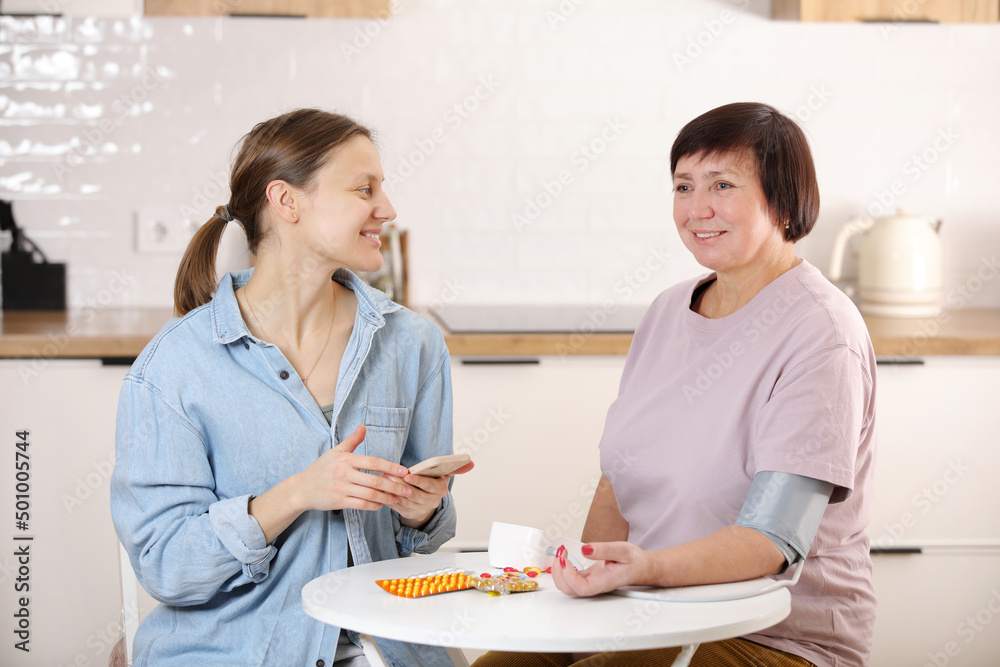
(242,536)
(184,542)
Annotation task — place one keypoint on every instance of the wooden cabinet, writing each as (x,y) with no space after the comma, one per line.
(939,11)
(311,8)
(532,426)
(70,571)
(935,496)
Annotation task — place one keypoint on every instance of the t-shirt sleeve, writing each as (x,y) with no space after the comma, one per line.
(814,421)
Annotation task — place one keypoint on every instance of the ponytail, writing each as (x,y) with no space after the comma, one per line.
(196,280)
(293,148)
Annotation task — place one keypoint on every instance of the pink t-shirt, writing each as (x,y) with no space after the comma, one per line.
(786,384)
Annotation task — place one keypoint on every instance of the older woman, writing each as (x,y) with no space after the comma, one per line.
(748,406)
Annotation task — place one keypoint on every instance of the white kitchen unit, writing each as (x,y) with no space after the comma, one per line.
(532,425)
(73,595)
(99,8)
(936,495)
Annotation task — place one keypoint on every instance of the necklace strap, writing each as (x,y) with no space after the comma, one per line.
(329,334)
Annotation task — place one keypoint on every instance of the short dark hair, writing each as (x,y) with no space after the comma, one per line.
(777,148)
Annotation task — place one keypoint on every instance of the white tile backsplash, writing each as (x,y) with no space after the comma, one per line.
(486,112)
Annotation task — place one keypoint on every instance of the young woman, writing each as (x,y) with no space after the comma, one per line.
(230,490)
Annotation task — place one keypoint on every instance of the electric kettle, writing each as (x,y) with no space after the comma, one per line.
(899,269)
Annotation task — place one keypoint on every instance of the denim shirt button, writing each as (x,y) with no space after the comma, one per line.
(283,375)
(320,663)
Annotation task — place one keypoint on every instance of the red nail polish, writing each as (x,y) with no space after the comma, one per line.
(561,554)
(586,550)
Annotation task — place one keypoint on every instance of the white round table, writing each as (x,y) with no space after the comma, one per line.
(543,620)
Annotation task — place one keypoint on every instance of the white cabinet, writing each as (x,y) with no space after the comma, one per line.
(937,609)
(936,491)
(532,426)
(73,595)
(100,8)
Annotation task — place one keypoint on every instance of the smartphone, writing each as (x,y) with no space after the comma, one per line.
(439,466)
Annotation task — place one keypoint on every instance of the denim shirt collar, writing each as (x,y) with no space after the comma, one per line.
(227,320)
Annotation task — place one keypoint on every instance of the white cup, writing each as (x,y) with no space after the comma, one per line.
(522,546)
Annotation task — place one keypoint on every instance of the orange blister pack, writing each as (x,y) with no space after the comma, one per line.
(421,586)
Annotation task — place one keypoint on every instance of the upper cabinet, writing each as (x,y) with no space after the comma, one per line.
(312,8)
(939,11)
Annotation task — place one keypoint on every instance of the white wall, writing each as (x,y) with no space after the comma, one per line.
(104,118)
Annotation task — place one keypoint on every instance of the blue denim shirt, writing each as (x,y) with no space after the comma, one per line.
(210,415)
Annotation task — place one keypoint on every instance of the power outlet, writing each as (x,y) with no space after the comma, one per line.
(162,230)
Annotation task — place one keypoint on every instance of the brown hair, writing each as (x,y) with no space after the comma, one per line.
(292,147)
(776,147)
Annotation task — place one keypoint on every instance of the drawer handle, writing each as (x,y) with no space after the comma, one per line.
(117,361)
(895,551)
(494,361)
(899,361)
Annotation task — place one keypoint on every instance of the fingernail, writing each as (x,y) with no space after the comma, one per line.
(402,472)
(561,555)
(586,550)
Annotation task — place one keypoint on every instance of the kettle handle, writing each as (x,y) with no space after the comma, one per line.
(840,243)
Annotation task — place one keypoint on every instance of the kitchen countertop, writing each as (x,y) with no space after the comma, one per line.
(123,332)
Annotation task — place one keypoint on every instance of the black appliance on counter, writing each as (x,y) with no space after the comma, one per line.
(30,280)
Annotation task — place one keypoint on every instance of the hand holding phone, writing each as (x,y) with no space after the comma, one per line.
(439,466)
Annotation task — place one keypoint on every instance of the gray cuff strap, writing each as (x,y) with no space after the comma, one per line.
(787,509)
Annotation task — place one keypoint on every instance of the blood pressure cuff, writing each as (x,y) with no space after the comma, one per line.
(787,509)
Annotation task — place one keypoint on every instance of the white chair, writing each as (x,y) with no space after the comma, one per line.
(376,659)
(121,655)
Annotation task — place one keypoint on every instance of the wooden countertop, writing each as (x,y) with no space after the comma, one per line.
(123,332)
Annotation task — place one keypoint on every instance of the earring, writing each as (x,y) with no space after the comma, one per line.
(295,216)
(788,223)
